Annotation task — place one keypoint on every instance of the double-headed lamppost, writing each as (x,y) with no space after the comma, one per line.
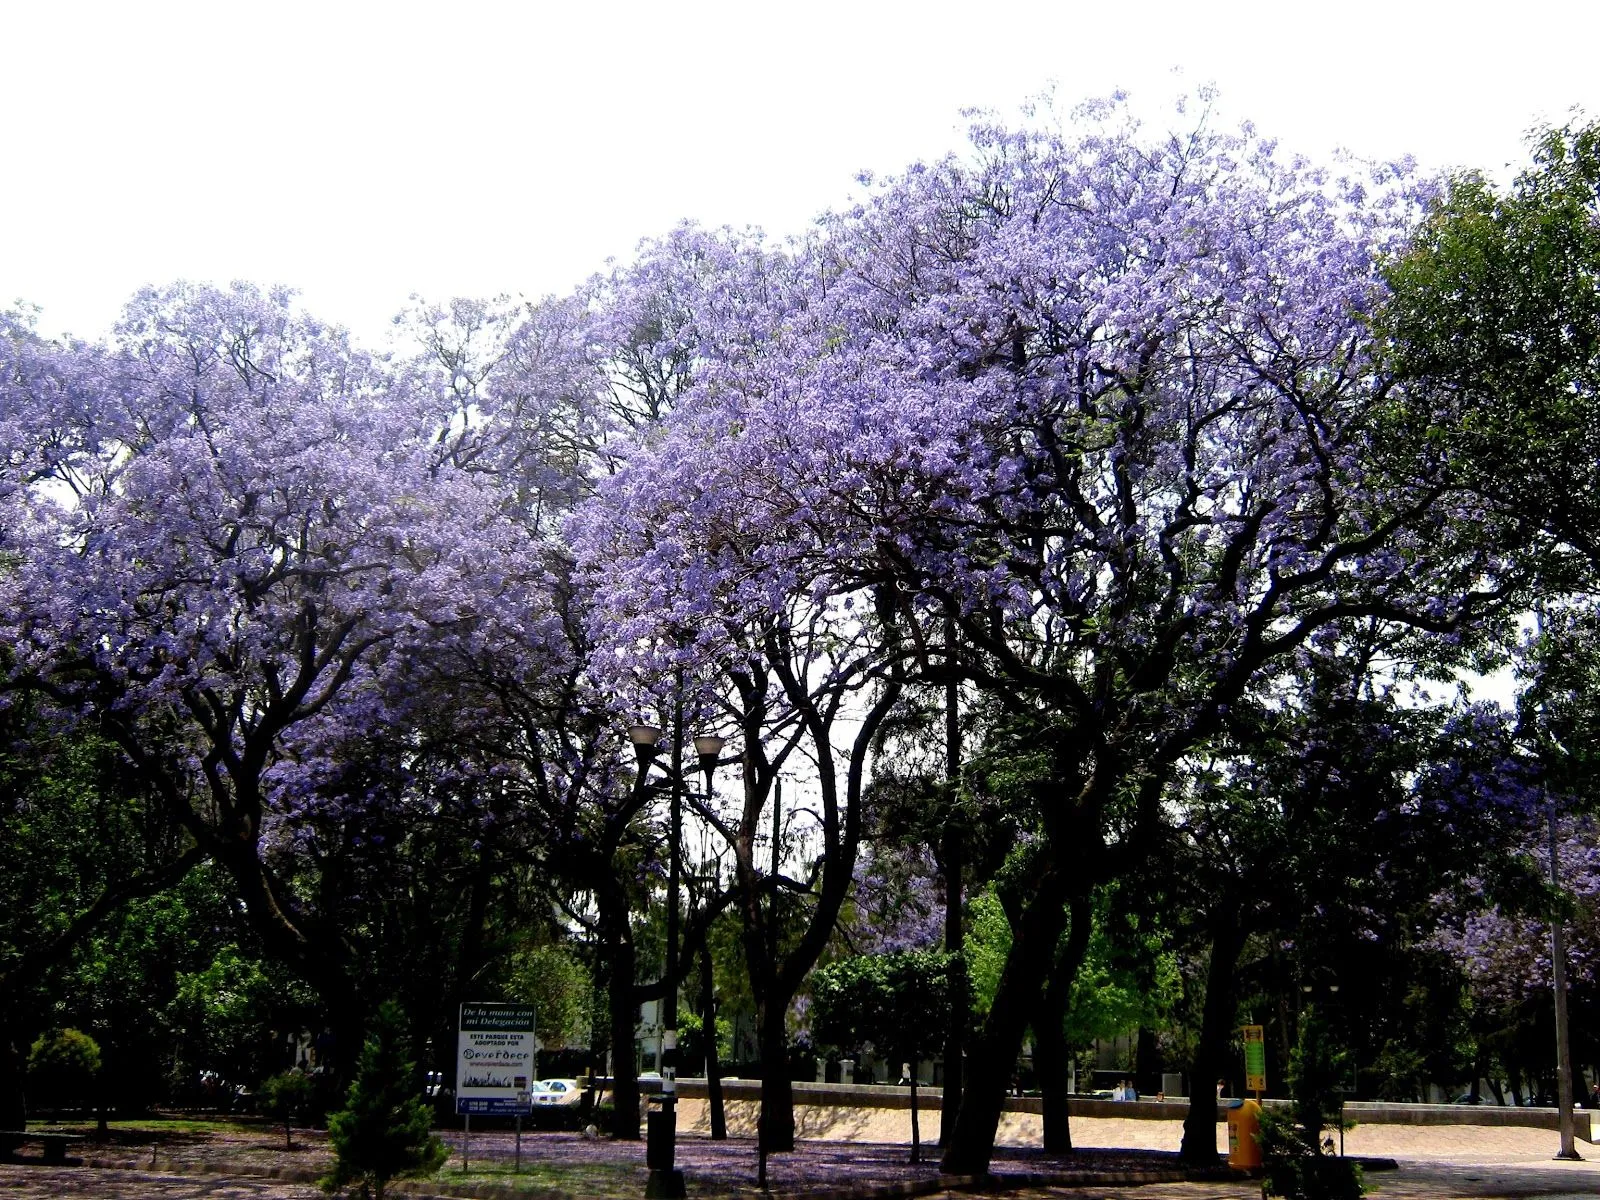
(1309,990)
(661,1128)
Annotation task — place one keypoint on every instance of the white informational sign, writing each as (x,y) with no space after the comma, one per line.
(494,1059)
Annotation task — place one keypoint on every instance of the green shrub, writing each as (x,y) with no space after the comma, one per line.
(383,1132)
(288,1097)
(62,1069)
(1296,1166)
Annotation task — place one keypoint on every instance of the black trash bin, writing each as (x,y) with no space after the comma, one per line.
(661,1136)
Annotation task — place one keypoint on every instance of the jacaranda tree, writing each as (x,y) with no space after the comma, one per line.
(238,542)
(1109,399)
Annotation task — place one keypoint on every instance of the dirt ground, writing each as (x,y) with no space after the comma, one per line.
(843,1147)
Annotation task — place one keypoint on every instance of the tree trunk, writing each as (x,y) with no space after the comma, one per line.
(708,1027)
(624,1016)
(1050,1063)
(1147,1063)
(312,950)
(1050,1041)
(13,1099)
(470,959)
(1034,938)
(916,1129)
(953,862)
(1216,1031)
(955,1037)
(775,1127)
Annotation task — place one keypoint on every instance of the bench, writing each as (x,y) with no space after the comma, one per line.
(55,1144)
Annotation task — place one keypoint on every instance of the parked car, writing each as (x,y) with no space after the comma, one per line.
(559,1092)
(1468,1098)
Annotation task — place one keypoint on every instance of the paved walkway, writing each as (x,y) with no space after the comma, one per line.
(1448,1143)
(1413,1181)
(48,1183)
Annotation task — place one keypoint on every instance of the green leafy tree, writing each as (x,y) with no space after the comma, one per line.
(225,1013)
(1494,329)
(383,1131)
(84,842)
(899,1002)
(988,941)
(559,987)
(1129,979)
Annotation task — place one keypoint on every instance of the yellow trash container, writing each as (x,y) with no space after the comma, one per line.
(1244,1126)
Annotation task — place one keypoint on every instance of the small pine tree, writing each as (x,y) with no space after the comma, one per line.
(1291,1145)
(288,1096)
(384,1129)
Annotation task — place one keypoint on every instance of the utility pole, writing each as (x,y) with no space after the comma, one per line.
(1558,958)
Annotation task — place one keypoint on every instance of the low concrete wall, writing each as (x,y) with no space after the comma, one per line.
(878,1095)
(1375,1113)
(849,1095)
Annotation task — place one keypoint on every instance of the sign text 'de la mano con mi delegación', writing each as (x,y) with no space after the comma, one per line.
(494,1059)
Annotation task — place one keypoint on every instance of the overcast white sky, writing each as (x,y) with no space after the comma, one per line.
(365,151)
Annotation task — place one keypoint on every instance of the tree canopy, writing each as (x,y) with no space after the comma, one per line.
(1075,527)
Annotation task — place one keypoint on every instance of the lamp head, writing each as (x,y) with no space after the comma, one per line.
(708,746)
(646,740)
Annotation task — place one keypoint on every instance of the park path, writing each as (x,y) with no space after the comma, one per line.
(50,1183)
(1467,1144)
(1457,1162)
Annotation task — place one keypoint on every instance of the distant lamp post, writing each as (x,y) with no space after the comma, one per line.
(1343,1084)
(661,1128)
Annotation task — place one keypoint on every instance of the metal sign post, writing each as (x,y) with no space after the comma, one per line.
(1255,1059)
(525,1099)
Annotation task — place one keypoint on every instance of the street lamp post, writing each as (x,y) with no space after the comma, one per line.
(1341,1039)
(661,1128)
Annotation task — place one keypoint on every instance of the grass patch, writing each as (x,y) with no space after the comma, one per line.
(162,1128)
(601,1180)
(595,1180)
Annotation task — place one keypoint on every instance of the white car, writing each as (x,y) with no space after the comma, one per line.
(558,1092)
